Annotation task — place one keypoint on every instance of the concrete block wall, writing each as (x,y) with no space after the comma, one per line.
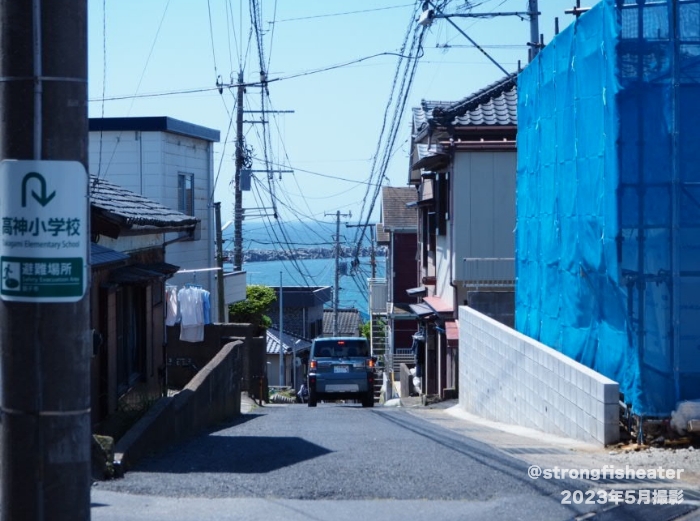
(213,396)
(508,377)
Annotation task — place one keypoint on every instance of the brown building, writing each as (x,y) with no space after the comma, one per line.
(127,298)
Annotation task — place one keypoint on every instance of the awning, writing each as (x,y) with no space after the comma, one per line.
(416,292)
(434,162)
(438,305)
(142,273)
(452,333)
(421,310)
(101,256)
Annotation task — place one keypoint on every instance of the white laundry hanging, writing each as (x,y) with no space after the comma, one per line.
(193,303)
(171,306)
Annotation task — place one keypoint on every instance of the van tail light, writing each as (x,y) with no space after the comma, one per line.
(370,363)
(312,364)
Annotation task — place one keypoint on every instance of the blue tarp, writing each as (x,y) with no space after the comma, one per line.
(608,198)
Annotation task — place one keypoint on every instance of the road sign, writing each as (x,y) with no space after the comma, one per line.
(44,243)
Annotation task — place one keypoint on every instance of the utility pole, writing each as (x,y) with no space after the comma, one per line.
(242,161)
(534,29)
(283,372)
(221,296)
(428,15)
(372,258)
(45,341)
(238,194)
(336,288)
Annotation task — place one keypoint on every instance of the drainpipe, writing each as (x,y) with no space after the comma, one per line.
(449,225)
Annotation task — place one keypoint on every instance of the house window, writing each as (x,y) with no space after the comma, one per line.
(131,335)
(432,230)
(185,193)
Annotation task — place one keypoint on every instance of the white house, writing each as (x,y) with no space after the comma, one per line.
(171,162)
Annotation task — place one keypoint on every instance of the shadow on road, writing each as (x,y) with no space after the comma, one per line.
(234,454)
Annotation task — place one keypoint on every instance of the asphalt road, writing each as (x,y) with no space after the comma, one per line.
(340,461)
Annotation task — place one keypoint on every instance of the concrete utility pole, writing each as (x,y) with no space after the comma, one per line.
(372,259)
(45,339)
(220,293)
(534,29)
(336,288)
(283,372)
(238,194)
(428,15)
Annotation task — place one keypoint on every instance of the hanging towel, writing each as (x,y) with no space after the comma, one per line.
(191,314)
(171,306)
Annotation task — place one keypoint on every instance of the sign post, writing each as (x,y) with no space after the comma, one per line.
(44,239)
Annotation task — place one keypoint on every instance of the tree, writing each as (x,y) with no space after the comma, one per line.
(366,329)
(252,310)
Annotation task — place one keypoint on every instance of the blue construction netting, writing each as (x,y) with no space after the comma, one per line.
(608,198)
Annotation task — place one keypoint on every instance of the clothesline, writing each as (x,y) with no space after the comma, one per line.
(198,270)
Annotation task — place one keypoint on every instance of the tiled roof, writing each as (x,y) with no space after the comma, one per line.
(494,105)
(290,342)
(348,322)
(395,214)
(131,209)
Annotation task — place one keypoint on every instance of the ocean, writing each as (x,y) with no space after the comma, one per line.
(354,289)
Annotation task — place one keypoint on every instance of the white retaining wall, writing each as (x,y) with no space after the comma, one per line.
(508,377)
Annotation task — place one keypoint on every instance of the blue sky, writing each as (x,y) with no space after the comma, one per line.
(163,57)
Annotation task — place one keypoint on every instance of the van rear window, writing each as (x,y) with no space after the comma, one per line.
(331,348)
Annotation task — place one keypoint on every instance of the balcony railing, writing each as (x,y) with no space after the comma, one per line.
(378,295)
(488,272)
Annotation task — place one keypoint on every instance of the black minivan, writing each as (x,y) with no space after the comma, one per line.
(341,368)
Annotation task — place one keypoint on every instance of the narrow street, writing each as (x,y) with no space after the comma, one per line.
(340,461)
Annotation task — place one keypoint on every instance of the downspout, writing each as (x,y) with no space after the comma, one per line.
(448,224)
(140,140)
(676,190)
(212,259)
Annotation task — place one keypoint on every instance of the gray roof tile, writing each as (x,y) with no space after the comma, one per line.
(395,214)
(291,342)
(132,209)
(494,105)
(348,322)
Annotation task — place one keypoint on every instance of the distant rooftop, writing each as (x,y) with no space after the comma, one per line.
(396,216)
(154,124)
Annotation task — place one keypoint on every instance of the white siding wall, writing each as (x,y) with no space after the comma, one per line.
(148,163)
(508,377)
(483,206)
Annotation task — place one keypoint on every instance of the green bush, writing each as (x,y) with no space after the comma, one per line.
(252,310)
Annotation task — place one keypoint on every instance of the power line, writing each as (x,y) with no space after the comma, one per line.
(340,14)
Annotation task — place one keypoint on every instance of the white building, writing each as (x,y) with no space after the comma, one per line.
(171,162)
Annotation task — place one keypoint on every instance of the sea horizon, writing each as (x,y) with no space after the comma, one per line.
(353,289)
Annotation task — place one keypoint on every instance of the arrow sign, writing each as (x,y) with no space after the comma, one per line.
(42,199)
(44,247)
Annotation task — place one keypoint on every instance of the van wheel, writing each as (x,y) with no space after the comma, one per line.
(368,400)
(312,399)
